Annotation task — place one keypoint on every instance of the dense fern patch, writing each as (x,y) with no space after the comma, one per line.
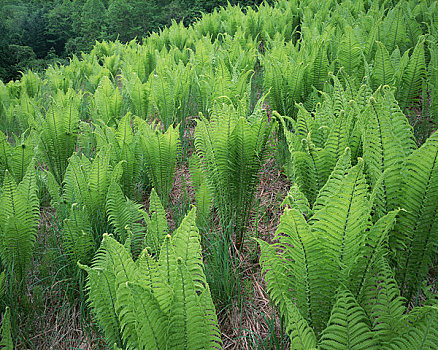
(331,93)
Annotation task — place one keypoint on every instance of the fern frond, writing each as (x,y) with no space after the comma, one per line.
(297,200)
(350,53)
(19,217)
(347,327)
(420,331)
(413,77)
(372,249)
(187,245)
(6,342)
(345,217)
(301,335)
(151,330)
(160,151)
(123,214)
(415,236)
(386,306)
(151,277)
(77,236)
(383,71)
(186,328)
(156,223)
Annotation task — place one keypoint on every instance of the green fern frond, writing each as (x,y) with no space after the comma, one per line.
(160,151)
(348,327)
(19,217)
(387,140)
(386,306)
(297,200)
(413,77)
(350,53)
(123,214)
(371,251)
(420,331)
(345,217)
(151,331)
(301,335)
(156,223)
(77,236)
(383,71)
(151,277)
(6,342)
(186,328)
(333,184)
(415,236)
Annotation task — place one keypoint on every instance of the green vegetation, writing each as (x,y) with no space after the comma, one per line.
(264,177)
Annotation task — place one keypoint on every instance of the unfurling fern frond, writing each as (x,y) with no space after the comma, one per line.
(160,151)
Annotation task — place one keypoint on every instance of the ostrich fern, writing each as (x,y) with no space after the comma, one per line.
(232,149)
(19,214)
(164,304)
(59,131)
(160,150)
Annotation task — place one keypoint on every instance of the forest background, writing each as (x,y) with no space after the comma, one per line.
(36,33)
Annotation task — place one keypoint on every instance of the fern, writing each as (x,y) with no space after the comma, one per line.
(156,223)
(160,151)
(124,215)
(59,132)
(16,158)
(232,150)
(347,327)
(301,335)
(203,196)
(420,331)
(77,236)
(87,182)
(125,149)
(107,102)
(414,238)
(146,304)
(384,304)
(413,77)
(387,140)
(383,71)
(350,54)
(19,216)
(6,342)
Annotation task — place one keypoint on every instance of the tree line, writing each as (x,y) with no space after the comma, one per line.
(36,33)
